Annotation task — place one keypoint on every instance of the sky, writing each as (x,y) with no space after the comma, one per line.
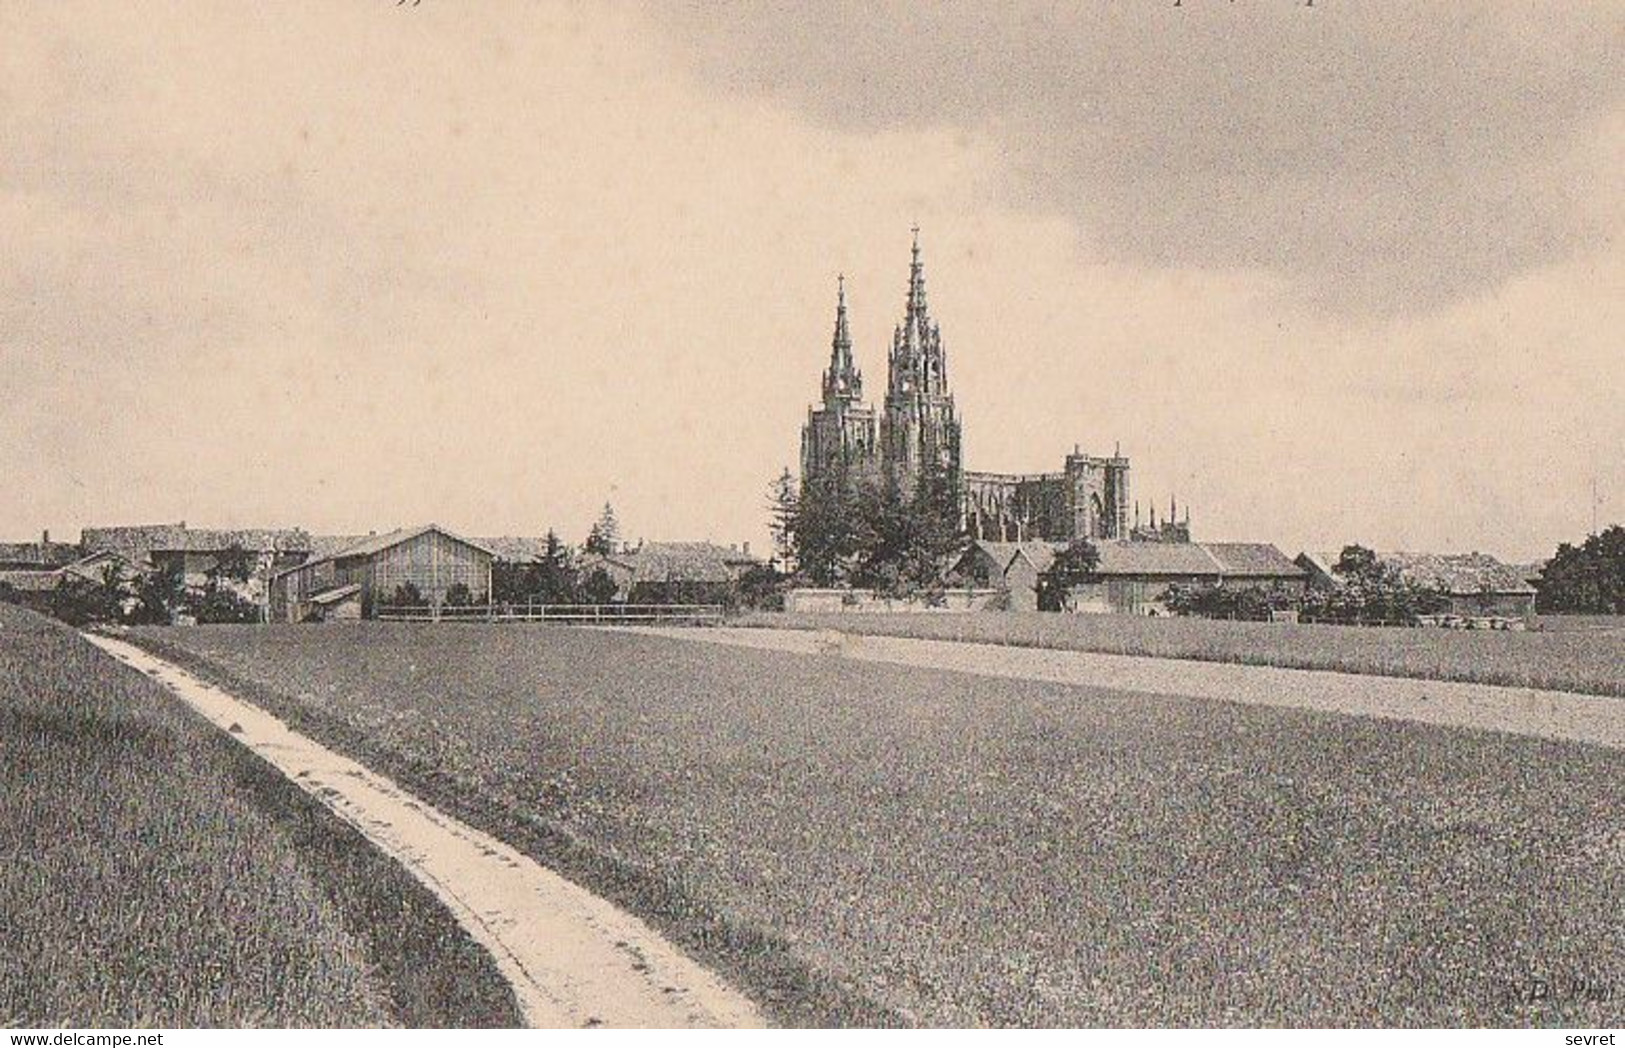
(1331,273)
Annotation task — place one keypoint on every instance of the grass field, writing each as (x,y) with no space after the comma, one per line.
(153,874)
(859,842)
(1576,657)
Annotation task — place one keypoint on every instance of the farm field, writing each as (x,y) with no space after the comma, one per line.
(1570,623)
(858,842)
(1573,656)
(153,875)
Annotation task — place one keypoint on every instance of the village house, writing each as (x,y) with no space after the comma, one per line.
(43,555)
(354,581)
(1478,585)
(43,566)
(1132,577)
(190,555)
(673,572)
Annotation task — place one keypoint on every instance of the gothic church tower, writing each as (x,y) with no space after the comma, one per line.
(838,439)
(919,425)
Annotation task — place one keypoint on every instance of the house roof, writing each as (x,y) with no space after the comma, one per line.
(41,554)
(29,580)
(92,565)
(324,546)
(1460,574)
(655,562)
(686,562)
(516,549)
(1533,573)
(1002,553)
(1253,559)
(137,542)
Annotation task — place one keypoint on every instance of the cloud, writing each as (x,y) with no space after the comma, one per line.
(1387,158)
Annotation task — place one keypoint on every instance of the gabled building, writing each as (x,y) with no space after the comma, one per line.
(1477,584)
(43,555)
(379,569)
(1132,577)
(673,572)
(191,554)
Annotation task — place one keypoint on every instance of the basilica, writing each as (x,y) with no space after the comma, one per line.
(917,425)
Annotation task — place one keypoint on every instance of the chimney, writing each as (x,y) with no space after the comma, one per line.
(45,537)
(746,548)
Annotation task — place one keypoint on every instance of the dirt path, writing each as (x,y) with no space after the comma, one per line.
(1522,711)
(572,958)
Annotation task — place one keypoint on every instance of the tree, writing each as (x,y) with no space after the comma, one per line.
(784,502)
(1073,566)
(1587,579)
(605,533)
(761,587)
(159,595)
(458,595)
(599,587)
(908,543)
(219,602)
(1368,591)
(825,528)
(234,563)
(407,595)
(555,579)
(511,581)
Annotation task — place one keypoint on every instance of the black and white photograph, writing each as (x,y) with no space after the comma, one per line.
(811,514)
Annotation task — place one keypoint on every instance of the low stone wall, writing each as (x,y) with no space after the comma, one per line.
(824,601)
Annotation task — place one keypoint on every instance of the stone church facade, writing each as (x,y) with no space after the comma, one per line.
(918,424)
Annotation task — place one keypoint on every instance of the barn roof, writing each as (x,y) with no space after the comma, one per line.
(1459,573)
(370,544)
(1157,558)
(378,543)
(1253,559)
(1228,559)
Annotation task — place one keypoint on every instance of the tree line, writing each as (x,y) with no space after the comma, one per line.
(842,529)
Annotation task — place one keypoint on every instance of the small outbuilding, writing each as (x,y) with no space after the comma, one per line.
(427,563)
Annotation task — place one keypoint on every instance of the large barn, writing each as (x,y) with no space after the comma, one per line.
(377,570)
(1477,584)
(1132,577)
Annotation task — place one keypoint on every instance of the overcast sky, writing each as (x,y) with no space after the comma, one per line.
(1331,273)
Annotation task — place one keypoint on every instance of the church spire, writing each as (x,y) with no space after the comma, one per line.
(842,380)
(916,313)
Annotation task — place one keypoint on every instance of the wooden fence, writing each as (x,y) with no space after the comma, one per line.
(564,614)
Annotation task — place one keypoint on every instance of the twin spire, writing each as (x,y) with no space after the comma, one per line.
(917,363)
